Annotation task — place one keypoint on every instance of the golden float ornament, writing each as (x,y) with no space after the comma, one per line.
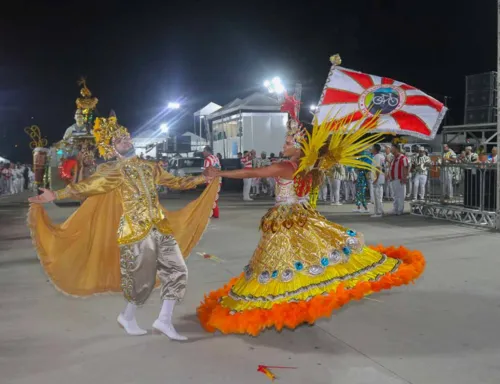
(40,153)
(335,59)
(36,137)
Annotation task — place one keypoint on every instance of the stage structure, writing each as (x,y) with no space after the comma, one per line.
(476,198)
(200,124)
(254,122)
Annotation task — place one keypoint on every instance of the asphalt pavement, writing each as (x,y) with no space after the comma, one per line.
(443,329)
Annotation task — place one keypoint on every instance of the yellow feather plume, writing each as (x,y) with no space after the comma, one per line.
(347,142)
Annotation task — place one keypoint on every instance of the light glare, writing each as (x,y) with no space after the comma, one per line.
(174,105)
(275,85)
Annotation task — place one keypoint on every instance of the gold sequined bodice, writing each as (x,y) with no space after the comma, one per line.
(136,182)
(141,210)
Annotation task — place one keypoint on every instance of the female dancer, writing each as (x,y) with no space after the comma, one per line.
(304,266)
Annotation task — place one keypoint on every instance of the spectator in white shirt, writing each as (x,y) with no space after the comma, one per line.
(420,166)
(246,162)
(399,178)
(494,155)
(378,179)
(388,192)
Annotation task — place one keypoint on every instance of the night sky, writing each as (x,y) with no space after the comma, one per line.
(138,57)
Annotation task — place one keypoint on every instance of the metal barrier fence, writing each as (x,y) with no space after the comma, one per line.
(464,193)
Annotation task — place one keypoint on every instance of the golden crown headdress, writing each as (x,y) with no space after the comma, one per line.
(105,131)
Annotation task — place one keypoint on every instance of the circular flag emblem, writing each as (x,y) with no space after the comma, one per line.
(385,99)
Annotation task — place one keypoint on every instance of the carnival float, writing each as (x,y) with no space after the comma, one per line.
(74,157)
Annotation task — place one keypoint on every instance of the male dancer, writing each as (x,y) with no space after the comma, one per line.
(121,238)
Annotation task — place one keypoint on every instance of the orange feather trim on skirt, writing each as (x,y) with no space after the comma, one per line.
(213,316)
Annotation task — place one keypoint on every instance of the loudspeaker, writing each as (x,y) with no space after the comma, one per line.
(482,98)
(481,81)
(183,144)
(480,115)
(234,185)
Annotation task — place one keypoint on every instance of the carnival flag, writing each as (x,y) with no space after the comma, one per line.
(403,109)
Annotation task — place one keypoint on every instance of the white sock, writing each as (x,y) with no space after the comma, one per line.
(164,321)
(167,309)
(129,312)
(127,320)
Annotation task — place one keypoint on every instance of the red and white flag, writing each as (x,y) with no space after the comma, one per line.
(404,110)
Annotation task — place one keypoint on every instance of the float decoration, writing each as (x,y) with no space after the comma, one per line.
(40,154)
(86,103)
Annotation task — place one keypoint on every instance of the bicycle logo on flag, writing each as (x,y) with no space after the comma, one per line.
(384,99)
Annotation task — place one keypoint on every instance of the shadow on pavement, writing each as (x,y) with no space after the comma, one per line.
(459,322)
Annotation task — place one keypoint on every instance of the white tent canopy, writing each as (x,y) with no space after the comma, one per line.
(207,109)
(148,137)
(4,160)
(257,101)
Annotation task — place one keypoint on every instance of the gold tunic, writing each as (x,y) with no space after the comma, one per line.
(136,181)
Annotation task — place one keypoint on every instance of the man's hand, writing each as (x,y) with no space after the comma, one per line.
(210,172)
(46,197)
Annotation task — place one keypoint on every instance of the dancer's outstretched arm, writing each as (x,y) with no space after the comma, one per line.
(165,178)
(106,178)
(284,169)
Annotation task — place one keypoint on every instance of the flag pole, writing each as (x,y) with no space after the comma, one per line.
(498,120)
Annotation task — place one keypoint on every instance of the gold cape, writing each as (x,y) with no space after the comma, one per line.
(81,256)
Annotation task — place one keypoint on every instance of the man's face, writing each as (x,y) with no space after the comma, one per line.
(123,145)
(394,150)
(446,148)
(79,119)
(263,155)
(388,150)
(494,151)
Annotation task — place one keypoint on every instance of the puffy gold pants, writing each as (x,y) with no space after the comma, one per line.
(141,261)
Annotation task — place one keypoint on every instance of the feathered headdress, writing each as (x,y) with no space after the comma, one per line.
(294,127)
(291,106)
(105,131)
(347,142)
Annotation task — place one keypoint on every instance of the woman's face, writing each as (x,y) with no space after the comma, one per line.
(289,149)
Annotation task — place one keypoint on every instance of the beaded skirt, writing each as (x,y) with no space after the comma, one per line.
(304,268)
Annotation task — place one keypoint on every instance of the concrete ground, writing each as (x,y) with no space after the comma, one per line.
(444,329)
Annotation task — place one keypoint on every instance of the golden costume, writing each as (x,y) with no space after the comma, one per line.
(121,234)
(305,266)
